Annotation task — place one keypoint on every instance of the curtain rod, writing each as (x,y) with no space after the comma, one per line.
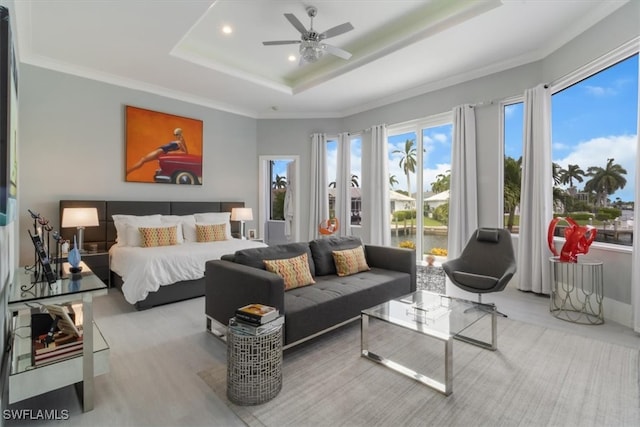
(482,103)
(354,132)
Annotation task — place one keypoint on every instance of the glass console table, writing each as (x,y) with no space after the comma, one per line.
(25,298)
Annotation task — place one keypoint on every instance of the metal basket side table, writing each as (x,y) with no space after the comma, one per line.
(577,291)
(254,366)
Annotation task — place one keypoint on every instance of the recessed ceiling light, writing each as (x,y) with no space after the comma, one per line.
(227,29)
(292,58)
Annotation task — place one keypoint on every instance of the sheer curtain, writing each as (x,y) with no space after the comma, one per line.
(318,194)
(635,256)
(376,218)
(536,193)
(343,185)
(463,198)
(289,202)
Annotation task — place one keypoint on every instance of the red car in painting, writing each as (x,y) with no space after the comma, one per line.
(179,169)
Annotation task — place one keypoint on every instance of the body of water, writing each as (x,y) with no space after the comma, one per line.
(429,241)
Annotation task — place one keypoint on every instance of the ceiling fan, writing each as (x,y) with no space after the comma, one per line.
(311,42)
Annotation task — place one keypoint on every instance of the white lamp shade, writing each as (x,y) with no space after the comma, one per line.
(80,217)
(241,214)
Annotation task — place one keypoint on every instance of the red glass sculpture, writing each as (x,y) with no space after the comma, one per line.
(328,227)
(578,238)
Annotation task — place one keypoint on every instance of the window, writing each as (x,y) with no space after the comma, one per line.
(278,173)
(512,172)
(419,172)
(594,134)
(355,178)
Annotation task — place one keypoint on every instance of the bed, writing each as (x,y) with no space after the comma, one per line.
(150,276)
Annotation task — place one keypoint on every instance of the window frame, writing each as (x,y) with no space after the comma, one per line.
(588,70)
(418,126)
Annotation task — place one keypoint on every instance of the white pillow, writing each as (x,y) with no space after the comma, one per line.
(178,220)
(214,218)
(122,221)
(187,226)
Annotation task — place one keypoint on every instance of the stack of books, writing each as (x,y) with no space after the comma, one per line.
(256,319)
(63,346)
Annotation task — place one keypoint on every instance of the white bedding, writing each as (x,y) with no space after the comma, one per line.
(144,270)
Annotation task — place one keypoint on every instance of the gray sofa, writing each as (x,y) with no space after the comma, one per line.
(240,279)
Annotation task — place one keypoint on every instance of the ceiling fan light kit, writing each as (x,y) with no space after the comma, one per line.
(311,42)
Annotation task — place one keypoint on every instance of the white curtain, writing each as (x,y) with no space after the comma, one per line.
(635,256)
(289,202)
(376,218)
(536,210)
(318,194)
(463,195)
(343,185)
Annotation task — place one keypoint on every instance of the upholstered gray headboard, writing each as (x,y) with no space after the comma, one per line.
(105,234)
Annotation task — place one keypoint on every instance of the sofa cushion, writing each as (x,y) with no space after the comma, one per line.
(322,252)
(334,299)
(254,257)
(350,261)
(295,271)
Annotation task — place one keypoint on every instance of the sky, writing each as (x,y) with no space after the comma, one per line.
(592,121)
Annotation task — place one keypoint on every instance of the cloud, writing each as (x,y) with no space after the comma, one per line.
(429,175)
(596,151)
(600,90)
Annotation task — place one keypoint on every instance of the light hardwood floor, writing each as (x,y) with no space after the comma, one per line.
(156,355)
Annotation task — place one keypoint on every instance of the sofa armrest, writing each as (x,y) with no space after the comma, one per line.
(396,259)
(229,285)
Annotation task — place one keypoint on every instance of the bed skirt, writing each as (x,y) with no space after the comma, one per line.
(166,294)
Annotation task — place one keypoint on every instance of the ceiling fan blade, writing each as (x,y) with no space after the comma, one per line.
(341,53)
(276,42)
(295,22)
(337,30)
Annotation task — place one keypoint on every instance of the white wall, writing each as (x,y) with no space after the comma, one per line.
(72,147)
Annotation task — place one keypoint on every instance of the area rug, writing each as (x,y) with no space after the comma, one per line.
(537,377)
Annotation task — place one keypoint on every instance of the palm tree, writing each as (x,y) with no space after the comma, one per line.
(393,181)
(408,160)
(567,176)
(442,183)
(354,182)
(279,182)
(605,181)
(512,183)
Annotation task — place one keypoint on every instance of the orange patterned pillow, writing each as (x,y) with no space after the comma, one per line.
(350,261)
(158,236)
(210,232)
(295,271)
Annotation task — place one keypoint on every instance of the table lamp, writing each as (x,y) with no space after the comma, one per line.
(80,218)
(242,215)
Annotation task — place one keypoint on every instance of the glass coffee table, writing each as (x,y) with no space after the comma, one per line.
(437,316)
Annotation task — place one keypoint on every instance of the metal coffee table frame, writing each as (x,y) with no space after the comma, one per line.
(461,314)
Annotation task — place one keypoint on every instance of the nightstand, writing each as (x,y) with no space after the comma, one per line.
(98,262)
(26,378)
